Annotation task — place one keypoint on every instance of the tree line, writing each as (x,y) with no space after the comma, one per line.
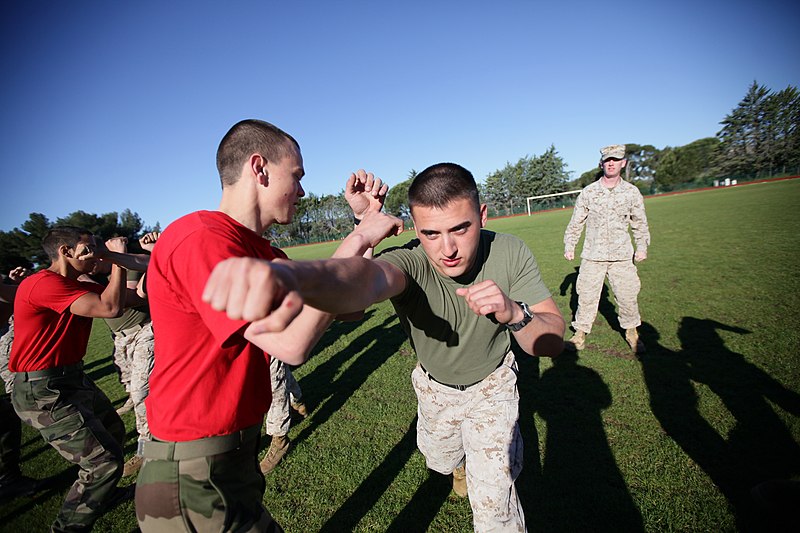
(759,138)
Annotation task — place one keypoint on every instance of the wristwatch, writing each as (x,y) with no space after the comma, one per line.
(525,320)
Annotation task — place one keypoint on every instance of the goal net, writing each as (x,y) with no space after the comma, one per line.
(529,199)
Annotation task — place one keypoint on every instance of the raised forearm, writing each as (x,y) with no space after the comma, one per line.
(544,336)
(113,297)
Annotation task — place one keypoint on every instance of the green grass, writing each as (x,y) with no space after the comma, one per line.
(670,442)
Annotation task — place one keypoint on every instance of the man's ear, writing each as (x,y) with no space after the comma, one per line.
(66,251)
(258,165)
(484,215)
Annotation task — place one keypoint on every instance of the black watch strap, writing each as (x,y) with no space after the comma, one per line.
(525,319)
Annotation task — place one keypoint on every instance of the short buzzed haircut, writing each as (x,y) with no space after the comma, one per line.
(246,138)
(62,235)
(439,185)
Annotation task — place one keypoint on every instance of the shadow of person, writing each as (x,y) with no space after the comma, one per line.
(417,514)
(758,448)
(328,387)
(605,307)
(527,381)
(581,487)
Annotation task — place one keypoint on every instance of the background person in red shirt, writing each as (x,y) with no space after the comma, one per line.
(210,385)
(53,319)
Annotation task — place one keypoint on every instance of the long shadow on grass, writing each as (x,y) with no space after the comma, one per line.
(420,511)
(579,487)
(323,388)
(759,448)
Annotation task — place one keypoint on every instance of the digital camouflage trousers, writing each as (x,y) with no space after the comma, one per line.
(624,281)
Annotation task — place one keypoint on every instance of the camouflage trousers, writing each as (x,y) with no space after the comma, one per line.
(6,338)
(624,281)
(284,391)
(220,492)
(479,424)
(135,350)
(78,420)
(10,439)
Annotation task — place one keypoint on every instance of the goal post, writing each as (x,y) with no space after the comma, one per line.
(541,196)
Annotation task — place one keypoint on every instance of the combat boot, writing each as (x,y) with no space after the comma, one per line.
(300,408)
(278,448)
(132,466)
(636,344)
(460,481)
(577,342)
(126,407)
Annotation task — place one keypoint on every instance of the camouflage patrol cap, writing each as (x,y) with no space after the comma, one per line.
(617,151)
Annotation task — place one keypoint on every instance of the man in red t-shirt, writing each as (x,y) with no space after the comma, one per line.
(53,319)
(210,385)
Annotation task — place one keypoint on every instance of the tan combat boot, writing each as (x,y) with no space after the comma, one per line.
(132,466)
(300,408)
(636,344)
(577,342)
(279,447)
(126,407)
(460,481)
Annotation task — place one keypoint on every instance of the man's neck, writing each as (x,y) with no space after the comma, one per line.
(610,183)
(243,209)
(62,268)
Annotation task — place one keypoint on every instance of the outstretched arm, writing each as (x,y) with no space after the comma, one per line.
(259,291)
(128,261)
(293,344)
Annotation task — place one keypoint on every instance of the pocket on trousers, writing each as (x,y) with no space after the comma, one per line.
(63,426)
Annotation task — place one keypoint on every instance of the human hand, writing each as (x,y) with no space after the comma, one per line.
(365,193)
(254,290)
(115,244)
(376,226)
(486,297)
(640,256)
(148,240)
(18,274)
(569,256)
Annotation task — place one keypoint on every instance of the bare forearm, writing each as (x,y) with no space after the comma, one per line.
(113,297)
(137,262)
(341,285)
(294,344)
(544,336)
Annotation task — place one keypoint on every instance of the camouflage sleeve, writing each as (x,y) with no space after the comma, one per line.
(641,231)
(573,233)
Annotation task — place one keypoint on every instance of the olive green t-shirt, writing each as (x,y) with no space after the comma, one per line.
(453,343)
(132,316)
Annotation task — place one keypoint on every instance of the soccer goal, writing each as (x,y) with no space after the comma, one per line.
(529,198)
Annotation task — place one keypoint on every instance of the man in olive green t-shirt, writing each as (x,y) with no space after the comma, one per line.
(461,292)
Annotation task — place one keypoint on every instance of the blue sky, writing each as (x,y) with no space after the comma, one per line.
(114,105)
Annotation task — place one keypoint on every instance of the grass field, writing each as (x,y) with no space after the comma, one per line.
(672,441)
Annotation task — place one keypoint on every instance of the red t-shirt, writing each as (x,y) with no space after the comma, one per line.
(207,378)
(46,333)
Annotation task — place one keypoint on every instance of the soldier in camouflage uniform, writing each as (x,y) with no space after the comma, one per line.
(133,355)
(53,320)
(608,207)
(286,396)
(461,293)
